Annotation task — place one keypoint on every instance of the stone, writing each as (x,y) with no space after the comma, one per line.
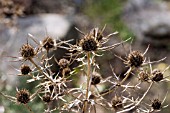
(149,21)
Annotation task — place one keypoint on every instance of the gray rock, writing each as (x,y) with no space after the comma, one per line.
(57,26)
(149,21)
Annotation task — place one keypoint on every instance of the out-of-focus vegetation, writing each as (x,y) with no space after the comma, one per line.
(108,12)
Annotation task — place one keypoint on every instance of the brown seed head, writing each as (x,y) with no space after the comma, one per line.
(23,96)
(27,51)
(135,59)
(48,43)
(156,104)
(46,98)
(88,43)
(143,76)
(25,69)
(96,78)
(157,75)
(63,63)
(117,102)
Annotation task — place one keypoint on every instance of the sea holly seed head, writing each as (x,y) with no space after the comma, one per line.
(88,43)
(23,96)
(96,78)
(156,104)
(63,63)
(27,51)
(143,76)
(135,59)
(25,69)
(157,75)
(48,43)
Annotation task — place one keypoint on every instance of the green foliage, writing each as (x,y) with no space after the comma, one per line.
(108,12)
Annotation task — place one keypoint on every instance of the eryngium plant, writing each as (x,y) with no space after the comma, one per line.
(57,94)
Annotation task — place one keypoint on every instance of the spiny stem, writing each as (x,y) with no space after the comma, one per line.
(31,60)
(145,94)
(127,75)
(124,79)
(88,81)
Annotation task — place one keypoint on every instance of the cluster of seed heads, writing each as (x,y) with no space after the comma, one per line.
(60,92)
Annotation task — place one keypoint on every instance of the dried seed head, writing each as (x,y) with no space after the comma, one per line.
(135,59)
(27,51)
(48,43)
(88,43)
(46,98)
(157,75)
(63,63)
(117,102)
(156,104)
(66,71)
(23,96)
(96,78)
(25,69)
(143,76)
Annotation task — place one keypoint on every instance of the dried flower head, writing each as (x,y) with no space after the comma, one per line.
(23,96)
(92,42)
(156,104)
(135,59)
(89,43)
(25,69)
(48,43)
(46,98)
(27,51)
(63,63)
(96,78)
(143,76)
(117,102)
(157,75)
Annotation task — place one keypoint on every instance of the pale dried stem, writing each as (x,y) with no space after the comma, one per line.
(88,81)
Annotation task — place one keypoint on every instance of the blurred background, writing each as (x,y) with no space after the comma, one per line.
(146,21)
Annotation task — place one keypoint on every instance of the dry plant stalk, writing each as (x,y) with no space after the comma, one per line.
(53,87)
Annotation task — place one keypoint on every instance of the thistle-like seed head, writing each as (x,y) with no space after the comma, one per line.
(117,102)
(96,78)
(23,96)
(156,104)
(135,59)
(157,75)
(27,51)
(48,43)
(63,63)
(88,43)
(143,76)
(46,98)
(25,69)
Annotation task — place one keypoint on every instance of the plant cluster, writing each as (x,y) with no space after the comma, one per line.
(54,87)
